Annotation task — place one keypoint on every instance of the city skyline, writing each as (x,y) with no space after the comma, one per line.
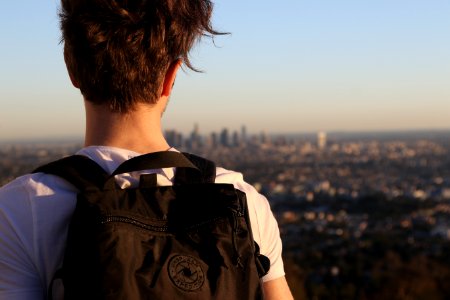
(355,204)
(251,134)
(366,210)
(286,67)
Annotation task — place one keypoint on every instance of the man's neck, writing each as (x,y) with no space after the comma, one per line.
(139,130)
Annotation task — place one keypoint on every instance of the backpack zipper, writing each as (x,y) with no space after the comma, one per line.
(132,221)
(235,225)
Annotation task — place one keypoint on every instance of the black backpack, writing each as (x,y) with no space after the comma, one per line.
(191,240)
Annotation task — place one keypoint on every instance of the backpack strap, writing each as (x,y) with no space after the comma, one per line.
(207,172)
(190,168)
(154,160)
(84,173)
(79,170)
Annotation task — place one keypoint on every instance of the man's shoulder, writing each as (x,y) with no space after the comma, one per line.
(228,176)
(22,184)
(235,178)
(33,185)
(254,198)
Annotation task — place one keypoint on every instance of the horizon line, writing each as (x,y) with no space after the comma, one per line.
(79,139)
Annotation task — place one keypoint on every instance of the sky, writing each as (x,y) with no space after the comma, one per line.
(288,66)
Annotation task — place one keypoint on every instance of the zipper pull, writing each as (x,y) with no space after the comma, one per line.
(237,255)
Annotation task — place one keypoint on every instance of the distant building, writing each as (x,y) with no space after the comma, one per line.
(244,134)
(321,140)
(225,138)
(174,138)
(264,138)
(195,139)
(214,140)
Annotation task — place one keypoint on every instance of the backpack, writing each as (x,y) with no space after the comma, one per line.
(191,240)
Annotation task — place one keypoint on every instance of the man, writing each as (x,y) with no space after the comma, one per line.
(123,56)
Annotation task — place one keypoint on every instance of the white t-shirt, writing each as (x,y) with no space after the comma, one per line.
(35,212)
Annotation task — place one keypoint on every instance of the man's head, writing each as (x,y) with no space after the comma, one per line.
(118,51)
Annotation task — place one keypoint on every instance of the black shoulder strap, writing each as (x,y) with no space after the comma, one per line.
(207,172)
(190,168)
(155,160)
(84,173)
(79,170)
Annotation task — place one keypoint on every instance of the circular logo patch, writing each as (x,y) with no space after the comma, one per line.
(186,273)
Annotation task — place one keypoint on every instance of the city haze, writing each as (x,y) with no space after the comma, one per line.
(361,215)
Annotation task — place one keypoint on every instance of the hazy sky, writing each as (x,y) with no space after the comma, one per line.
(288,66)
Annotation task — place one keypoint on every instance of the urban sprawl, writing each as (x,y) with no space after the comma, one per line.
(362,216)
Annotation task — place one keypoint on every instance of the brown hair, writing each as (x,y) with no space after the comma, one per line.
(118,51)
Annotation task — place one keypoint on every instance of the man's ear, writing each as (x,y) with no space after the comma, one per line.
(74,81)
(169,79)
(72,78)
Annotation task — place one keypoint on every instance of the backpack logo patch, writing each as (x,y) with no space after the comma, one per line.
(186,273)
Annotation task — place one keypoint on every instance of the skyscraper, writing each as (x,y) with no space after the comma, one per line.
(195,139)
(321,140)
(225,138)
(244,134)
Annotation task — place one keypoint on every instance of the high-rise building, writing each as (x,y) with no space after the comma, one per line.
(244,134)
(214,140)
(174,138)
(321,140)
(264,138)
(195,137)
(224,138)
